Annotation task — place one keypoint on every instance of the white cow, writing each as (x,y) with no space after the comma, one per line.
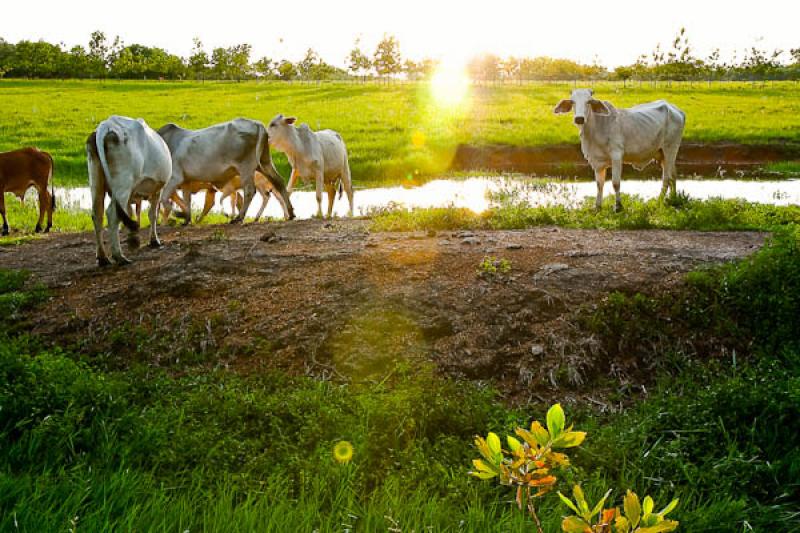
(638,135)
(320,155)
(219,153)
(129,161)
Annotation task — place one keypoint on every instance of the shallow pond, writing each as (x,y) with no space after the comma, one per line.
(476,194)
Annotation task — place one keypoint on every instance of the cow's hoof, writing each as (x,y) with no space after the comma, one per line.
(103,262)
(236,220)
(37,229)
(155,243)
(618,208)
(47,229)
(5,232)
(121,260)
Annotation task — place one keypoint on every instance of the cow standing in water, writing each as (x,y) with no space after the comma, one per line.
(127,160)
(19,171)
(637,135)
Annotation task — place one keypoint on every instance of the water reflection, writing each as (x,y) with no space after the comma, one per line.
(475,194)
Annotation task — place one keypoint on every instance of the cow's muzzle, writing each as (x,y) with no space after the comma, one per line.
(579,121)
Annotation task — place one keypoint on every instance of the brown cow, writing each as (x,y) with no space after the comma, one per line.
(263,187)
(21,170)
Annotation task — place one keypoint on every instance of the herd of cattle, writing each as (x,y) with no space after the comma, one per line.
(130,162)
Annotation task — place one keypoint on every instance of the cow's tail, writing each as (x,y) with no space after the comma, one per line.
(266,167)
(52,184)
(346,167)
(102,131)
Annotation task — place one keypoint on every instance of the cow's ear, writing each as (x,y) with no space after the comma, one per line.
(564,106)
(599,107)
(290,120)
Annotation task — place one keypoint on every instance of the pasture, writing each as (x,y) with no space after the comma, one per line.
(395,134)
(205,386)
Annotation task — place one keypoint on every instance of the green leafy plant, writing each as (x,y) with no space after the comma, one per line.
(528,465)
(636,518)
(218,235)
(492,266)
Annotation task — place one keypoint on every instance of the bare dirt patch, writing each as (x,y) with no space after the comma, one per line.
(333,300)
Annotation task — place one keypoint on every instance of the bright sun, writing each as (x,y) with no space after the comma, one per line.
(450,85)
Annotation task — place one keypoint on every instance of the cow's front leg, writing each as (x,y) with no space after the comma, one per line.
(153,214)
(113,233)
(616,178)
(292,180)
(600,179)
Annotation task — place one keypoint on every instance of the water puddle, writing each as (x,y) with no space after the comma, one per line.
(477,193)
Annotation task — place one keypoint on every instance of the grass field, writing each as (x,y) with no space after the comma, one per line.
(394,133)
(88,444)
(85,445)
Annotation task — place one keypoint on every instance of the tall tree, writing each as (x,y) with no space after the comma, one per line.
(357,62)
(387,58)
(286,70)
(198,61)
(265,67)
(240,60)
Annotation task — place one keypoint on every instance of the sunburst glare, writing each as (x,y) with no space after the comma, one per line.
(450,85)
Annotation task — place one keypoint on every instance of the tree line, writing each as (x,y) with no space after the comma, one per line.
(111,58)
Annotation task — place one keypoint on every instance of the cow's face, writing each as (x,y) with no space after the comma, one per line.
(279,130)
(582,101)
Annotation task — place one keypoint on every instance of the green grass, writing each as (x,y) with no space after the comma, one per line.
(377,122)
(510,213)
(87,447)
(684,214)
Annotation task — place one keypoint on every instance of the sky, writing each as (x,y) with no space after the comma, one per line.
(614,31)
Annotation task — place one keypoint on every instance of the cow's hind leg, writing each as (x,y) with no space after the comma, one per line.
(669,173)
(209,203)
(133,235)
(187,206)
(616,178)
(330,189)
(3,211)
(113,234)
(169,189)
(347,184)
(264,199)
(249,189)
(600,179)
(44,202)
(153,214)
(97,186)
(320,183)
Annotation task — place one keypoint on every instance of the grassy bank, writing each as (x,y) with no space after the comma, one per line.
(85,445)
(394,133)
(511,212)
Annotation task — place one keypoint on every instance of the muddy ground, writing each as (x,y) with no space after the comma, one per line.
(334,300)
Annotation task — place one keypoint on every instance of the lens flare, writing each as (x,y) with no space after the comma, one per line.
(450,85)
